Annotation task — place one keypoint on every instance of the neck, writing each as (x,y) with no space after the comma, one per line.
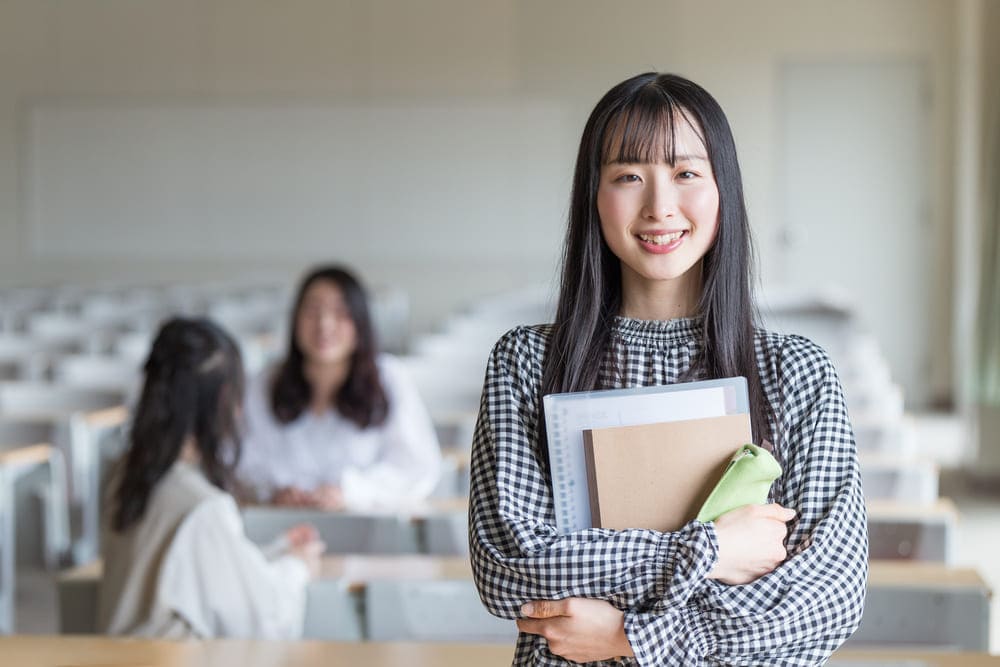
(645,299)
(325,380)
(189,451)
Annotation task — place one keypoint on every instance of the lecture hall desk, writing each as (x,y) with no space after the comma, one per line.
(49,651)
(356,569)
(360,569)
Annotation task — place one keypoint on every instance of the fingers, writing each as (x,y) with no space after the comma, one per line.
(292,496)
(304,498)
(307,531)
(545,608)
(294,536)
(548,628)
(776,512)
(302,532)
(531,626)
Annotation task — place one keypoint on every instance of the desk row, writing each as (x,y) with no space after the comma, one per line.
(432,598)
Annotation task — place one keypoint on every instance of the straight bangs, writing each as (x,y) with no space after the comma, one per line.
(644,130)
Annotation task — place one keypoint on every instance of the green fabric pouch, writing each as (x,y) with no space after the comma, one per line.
(746,481)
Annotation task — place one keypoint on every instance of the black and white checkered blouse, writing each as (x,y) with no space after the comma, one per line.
(796,615)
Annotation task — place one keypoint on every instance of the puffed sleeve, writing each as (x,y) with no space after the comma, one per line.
(517,553)
(409,460)
(807,607)
(221,584)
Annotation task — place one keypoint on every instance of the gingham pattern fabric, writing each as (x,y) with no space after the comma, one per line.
(796,615)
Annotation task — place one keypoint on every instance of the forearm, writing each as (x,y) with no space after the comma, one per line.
(627,568)
(796,615)
(579,629)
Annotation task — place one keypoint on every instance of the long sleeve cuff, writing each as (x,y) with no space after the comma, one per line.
(685,561)
(670,631)
(292,571)
(681,637)
(293,574)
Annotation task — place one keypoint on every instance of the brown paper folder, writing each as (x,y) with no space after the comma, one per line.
(657,476)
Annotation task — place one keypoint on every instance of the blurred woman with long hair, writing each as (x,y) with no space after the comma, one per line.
(336,424)
(176,560)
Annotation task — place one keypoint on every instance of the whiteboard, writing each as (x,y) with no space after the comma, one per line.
(197,181)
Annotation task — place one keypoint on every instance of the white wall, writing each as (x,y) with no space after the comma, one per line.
(555,58)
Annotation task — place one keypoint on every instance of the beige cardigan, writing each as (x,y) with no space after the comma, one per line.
(186,569)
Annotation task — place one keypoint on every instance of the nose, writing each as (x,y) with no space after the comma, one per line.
(327,321)
(660,202)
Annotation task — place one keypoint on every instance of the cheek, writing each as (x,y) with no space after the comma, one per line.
(302,342)
(704,204)
(302,328)
(712,215)
(350,333)
(610,211)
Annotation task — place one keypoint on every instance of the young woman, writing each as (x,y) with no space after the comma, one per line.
(656,290)
(335,424)
(176,560)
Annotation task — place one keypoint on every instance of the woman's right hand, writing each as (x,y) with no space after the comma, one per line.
(309,552)
(751,542)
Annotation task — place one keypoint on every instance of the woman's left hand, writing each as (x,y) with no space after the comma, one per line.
(578,629)
(300,534)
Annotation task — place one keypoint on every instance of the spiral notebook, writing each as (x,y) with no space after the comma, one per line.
(568,415)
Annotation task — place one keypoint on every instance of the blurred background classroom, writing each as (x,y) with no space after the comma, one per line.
(195,156)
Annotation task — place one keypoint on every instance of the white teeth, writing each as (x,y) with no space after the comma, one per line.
(661,239)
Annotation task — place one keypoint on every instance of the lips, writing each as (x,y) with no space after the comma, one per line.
(660,243)
(662,239)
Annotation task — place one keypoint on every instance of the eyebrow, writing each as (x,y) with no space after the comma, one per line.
(677,158)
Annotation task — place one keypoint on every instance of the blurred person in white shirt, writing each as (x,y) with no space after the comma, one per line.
(336,425)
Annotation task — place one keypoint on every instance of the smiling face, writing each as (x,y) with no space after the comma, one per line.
(660,218)
(324,329)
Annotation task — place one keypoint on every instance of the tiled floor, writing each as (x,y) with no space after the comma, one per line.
(978,545)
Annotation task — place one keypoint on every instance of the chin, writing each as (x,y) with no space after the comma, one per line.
(328,356)
(664,276)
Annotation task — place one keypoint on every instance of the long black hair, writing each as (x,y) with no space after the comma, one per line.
(193,388)
(361,399)
(636,122)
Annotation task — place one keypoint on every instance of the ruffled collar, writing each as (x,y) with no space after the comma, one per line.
(677,330)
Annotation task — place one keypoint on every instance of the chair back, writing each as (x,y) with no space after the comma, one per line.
(40,398)
(343,533)
(333,612)
(431,610)
(446,534)
(78,604)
